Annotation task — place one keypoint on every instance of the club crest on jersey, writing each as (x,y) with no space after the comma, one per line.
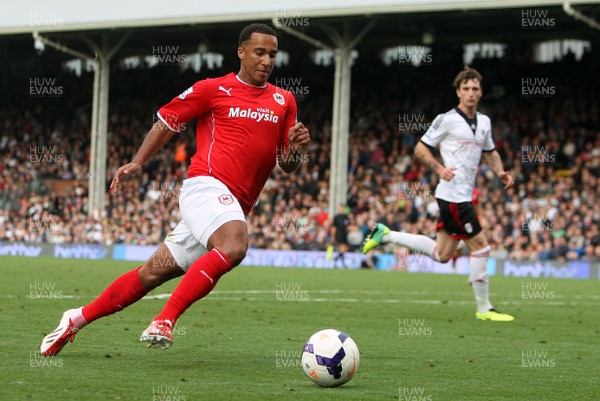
(279,98)
(186,92)
(226,199)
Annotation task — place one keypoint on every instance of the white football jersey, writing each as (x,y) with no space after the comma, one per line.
(461,141)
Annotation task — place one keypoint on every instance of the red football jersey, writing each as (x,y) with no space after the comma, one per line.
(239,131)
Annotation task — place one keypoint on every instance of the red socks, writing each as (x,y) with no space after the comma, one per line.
(124,291)
(198,281)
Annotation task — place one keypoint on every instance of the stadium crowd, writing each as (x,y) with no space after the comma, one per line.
(550,144)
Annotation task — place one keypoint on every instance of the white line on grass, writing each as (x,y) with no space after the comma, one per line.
(216,297)
(221,295)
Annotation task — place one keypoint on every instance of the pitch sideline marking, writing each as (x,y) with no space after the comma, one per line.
(212,297)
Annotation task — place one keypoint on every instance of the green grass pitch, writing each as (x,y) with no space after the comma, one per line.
(417,334)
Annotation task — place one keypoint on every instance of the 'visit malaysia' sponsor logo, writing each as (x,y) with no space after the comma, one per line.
(260,114)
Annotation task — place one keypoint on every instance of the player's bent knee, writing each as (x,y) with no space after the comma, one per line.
(232,240)
(235,254)
(150,278)
(445,258)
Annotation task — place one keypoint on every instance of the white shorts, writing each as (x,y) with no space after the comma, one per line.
(205,204)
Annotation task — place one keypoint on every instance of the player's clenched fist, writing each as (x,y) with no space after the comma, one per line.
(446,173)
(298,135)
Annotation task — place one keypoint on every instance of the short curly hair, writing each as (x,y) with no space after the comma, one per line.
(466,74)
(252,28)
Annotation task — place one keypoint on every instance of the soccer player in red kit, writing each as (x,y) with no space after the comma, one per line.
(245,127)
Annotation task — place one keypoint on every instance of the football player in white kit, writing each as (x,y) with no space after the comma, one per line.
(462,135)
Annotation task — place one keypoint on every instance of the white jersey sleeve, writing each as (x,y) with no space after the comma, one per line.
(436,132)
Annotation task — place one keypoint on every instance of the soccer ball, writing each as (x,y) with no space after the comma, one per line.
(330,358)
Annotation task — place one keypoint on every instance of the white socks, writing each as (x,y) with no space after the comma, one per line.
(478,263)
(418,243)
(479,278)
(77,318)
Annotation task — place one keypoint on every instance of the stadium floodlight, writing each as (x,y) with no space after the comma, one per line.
(38,44)
(428,38)
(283,58)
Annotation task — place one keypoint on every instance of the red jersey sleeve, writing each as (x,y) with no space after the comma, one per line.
(192,103)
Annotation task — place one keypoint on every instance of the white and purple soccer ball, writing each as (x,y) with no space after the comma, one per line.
(330,358)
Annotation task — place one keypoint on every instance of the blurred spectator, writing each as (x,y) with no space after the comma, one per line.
(550,145)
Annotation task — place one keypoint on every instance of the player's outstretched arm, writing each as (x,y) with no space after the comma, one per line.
(423,153)
(157,137)
(290,157)
(495,162)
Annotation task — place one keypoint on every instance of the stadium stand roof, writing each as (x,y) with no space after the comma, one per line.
(217,24)
(69,15)
(189,25)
